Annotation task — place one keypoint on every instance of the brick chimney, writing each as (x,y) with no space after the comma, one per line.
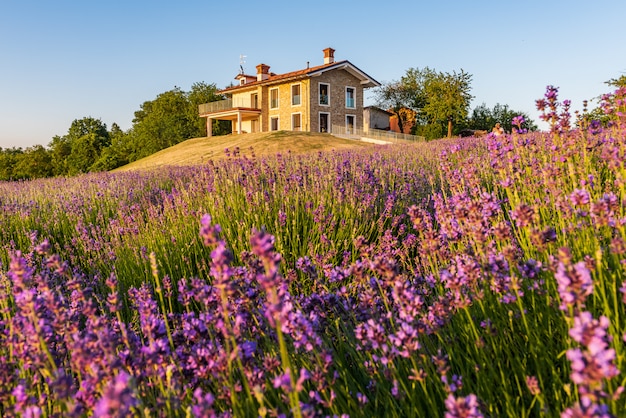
(329,56)
(262,72)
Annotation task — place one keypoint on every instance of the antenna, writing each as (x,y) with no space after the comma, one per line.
(242,61)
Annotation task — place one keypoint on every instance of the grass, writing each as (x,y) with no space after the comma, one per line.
(200,150)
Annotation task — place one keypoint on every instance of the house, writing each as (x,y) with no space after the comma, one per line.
(376,118)
(311,99)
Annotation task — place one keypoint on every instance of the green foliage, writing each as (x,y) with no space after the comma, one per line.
(115,155)
(617,82)
(170,119)
(484,118)
(80,148)
(437,97)
(35,162)
(429,130)
(203,93)
(8,159)
(161,123)
(605,101)
(395,96)
(447,97)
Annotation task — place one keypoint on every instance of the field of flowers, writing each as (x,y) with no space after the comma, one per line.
(458,278)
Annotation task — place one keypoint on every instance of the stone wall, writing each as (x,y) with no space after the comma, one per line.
(338,80)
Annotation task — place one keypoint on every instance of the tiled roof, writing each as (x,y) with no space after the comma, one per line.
(294,74)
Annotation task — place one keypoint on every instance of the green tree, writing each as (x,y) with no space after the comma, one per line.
(205,93)
(613,100)
(8,159)
(438,98)
(117,154)
(80,148)
(85,152)
(162,122)
(447,97)
(395,96)
(484,118)
(60,148)
(34,162)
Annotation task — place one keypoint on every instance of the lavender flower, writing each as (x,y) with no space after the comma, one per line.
(118,399)
(462,407)
(574,284)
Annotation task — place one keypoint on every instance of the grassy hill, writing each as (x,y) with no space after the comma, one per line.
(200,150)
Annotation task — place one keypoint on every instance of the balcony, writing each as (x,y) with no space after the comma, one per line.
(226,105)
(237,111)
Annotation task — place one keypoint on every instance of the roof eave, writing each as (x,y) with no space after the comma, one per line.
(366,80)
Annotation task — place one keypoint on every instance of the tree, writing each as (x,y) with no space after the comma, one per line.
(8,159)
(35,162)
(447,97)
(117,154)
(162,122)
(484,118)
(79,149)
(436,97)
(85,152)
(395,96)
(205,93)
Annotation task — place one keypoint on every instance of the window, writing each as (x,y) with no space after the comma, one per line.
(274,98)
(295,95)
(324,94)
(274,124)
(324,118)
(350,97)
(296,122)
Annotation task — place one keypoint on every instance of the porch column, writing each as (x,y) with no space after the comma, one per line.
(209,127)
(239,122)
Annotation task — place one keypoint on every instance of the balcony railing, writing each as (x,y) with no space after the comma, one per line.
(223,105)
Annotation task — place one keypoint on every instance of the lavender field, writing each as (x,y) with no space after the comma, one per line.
(457,278)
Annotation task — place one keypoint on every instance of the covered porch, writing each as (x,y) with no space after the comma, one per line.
(226,110)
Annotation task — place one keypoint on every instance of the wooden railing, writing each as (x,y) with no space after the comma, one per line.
(388,136)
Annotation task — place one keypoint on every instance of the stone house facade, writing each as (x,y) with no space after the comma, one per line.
(312,99)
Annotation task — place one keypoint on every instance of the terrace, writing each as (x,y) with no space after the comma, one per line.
(238,110)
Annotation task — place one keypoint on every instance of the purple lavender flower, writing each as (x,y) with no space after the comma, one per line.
(524,215)
(574,284)
(118,398)
(518,121)
(209,232)
(592,363)
(579,197)
(283,381)
(203,404)
(587,409)
(533,385)
(466,407)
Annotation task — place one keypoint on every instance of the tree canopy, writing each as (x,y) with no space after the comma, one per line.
(169,119)
(447,98)
(436,97)
(484,118)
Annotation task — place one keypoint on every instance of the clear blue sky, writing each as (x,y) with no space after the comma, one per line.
(64,60)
